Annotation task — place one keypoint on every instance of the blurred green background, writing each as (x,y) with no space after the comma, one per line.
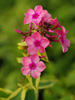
(61,67)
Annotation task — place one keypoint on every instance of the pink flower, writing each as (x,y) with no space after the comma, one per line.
(36,43)
(32,66)
(65,43)
(34,16)
(46,17)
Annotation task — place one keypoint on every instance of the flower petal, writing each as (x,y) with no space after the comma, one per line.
(26,61)
(36,36)
(35,73)
(41,49)
(30,11)
(44,42)
(25,71)
(64,48)
(41,66)
(44,12)
(29,40)
(38,9)
(27,20)
(35,58)
(32,50)
(67,42)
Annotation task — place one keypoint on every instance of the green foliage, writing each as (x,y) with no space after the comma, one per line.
(61,66)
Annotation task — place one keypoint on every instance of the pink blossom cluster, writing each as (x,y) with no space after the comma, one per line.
(41,33)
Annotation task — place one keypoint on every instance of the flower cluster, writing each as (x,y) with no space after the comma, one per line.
(41,33)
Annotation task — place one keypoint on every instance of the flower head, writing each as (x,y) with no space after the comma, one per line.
(36,43)
(34,16)
(33,66)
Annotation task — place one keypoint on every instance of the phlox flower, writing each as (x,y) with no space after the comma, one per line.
(62,38)
(36,43)
(34,16)
(33,66)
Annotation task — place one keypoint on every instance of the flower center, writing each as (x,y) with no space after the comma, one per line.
(37,43)
(32,66)
(35,16)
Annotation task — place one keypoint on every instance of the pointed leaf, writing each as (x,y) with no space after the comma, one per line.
(45,84)
(23,94)
(4,93)
(19,59)
(30,81)
(14,93)
(22,44)
(37,82)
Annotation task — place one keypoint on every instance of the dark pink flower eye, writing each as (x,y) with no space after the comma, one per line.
(37,43)
(35,16)
(32,66)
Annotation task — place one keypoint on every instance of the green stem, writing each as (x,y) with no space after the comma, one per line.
(36,95)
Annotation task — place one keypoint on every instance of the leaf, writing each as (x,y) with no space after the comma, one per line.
(37,82)
(30,95)
(19,59)
(22,44)
(25,55)
(44,54)
(4,93)
(45,84)
(30,81)
(23,94)
(14,93)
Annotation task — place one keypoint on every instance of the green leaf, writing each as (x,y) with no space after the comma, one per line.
(4,93)
(22,44)
(37,82)
(13,94)
(45,84)
(44,54)
(19,59)
(23,94)
(30,81)
(30,95)
(25,55)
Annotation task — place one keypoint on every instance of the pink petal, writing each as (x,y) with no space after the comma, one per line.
(37,21)
(51,31)
(35,73)
(35,58)
(53,36)
(38,9)
(64,48)
(41,66)
(25,71)
(58,32)
(44,12)
(18,31)
(27,20)
(29,40)
(41,49)
(32,50)
(30,11)
(45,42)
(36,36)
(26,61)
(67,42)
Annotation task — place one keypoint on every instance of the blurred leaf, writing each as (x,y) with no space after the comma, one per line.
(30,95)
(70,79)
(4,93)
(25,55)
(43,54)
(45,84)
(19,59)
(23,94)
(13,94)
(22,44)
(37,81)
(30,81)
